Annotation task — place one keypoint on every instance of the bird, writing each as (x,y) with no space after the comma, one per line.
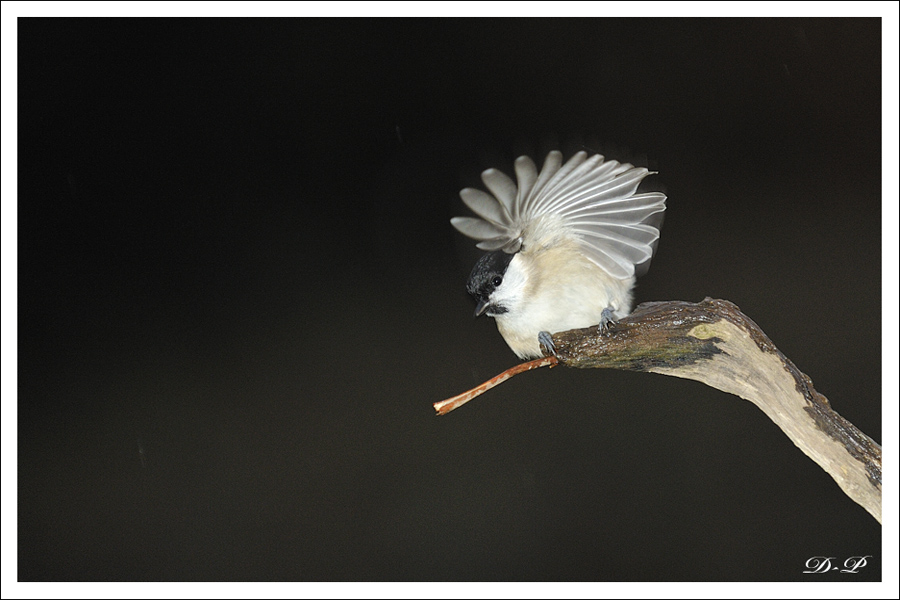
(564,245)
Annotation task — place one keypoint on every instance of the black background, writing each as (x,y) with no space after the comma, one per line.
(239,295)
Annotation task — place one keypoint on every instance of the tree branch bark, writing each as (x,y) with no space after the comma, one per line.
(716,344)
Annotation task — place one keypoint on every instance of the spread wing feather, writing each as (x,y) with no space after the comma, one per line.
(595,199)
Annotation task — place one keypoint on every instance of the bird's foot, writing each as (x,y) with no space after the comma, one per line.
(547,342)
(607,319)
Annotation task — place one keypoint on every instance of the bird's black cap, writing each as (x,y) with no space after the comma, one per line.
(486,276)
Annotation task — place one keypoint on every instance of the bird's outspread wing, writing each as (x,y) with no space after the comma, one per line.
(592,198)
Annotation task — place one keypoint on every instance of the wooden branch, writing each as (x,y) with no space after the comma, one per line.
(445,406)
(715,343)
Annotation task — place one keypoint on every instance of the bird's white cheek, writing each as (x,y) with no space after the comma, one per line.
(511,293)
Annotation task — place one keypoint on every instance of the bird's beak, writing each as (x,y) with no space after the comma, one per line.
(481,307)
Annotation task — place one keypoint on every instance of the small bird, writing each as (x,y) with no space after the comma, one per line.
(565,245)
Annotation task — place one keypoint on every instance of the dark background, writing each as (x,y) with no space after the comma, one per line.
(239,295)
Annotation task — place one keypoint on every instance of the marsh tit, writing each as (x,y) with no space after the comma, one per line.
(565,245)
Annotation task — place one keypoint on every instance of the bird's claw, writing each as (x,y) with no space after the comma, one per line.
(607,319)
(547,342)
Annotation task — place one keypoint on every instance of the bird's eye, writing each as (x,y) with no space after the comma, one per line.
(496,281)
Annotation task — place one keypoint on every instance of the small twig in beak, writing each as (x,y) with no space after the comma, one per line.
(445,406)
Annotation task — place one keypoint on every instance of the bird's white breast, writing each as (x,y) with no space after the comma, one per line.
(560,289)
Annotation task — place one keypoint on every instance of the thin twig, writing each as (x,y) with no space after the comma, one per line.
(445,406)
